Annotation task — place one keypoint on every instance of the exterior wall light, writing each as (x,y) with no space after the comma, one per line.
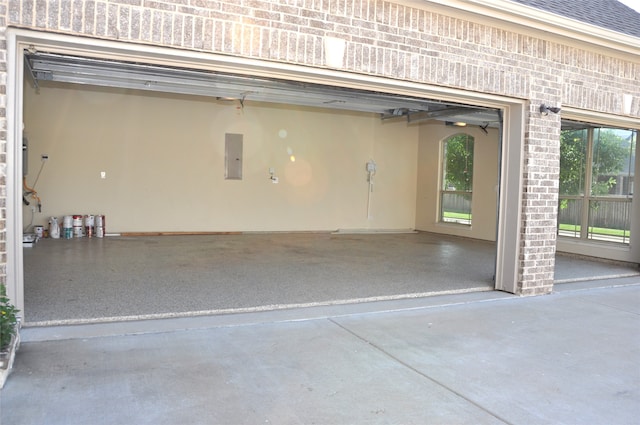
(544,109)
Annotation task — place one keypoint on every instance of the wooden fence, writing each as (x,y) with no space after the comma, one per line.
(606,214)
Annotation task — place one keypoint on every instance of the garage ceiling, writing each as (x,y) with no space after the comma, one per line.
(43,66)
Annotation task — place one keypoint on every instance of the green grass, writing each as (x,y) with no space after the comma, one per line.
(596,230)
(461,216)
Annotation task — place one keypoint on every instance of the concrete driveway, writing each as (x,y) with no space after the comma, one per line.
(571,357)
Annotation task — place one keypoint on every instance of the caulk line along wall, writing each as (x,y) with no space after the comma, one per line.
(421,42)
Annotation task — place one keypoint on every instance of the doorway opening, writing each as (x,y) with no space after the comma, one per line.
(398,208)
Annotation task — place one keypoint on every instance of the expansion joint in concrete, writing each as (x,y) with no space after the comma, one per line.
(418,372)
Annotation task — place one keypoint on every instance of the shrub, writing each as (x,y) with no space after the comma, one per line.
(8,319)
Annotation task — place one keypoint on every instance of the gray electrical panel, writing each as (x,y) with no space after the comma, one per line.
(233,156)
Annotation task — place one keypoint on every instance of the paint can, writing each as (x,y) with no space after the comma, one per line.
(89,225)
(100,226)
(67,227)
(77,226)
(39,231)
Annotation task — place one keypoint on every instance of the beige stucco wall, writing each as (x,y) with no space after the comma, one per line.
(164,161)
(485,182)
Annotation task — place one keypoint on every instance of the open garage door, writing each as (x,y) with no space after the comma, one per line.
(391,129)
(43,67)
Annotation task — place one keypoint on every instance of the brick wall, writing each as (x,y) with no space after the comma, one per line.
(383,39)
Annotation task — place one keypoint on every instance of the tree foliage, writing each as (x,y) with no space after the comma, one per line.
(610,151)
(458,159)
(573,157)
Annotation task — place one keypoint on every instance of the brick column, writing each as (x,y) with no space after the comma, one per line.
(541,171)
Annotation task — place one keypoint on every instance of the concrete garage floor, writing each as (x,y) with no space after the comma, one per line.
(124,278)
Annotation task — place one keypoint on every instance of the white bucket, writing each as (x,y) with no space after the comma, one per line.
(78,231)
(89,225)
(100,225)
(67,227)
(67,221)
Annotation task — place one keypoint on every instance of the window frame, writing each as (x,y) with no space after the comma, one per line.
(444,192)
(584,230)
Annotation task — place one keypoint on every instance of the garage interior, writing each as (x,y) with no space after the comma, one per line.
(225,192)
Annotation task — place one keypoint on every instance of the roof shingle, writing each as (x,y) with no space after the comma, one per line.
(609,14)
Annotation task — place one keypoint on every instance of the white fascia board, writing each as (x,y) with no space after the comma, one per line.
(530,18)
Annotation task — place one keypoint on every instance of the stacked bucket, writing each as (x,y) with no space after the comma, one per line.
(78,226)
